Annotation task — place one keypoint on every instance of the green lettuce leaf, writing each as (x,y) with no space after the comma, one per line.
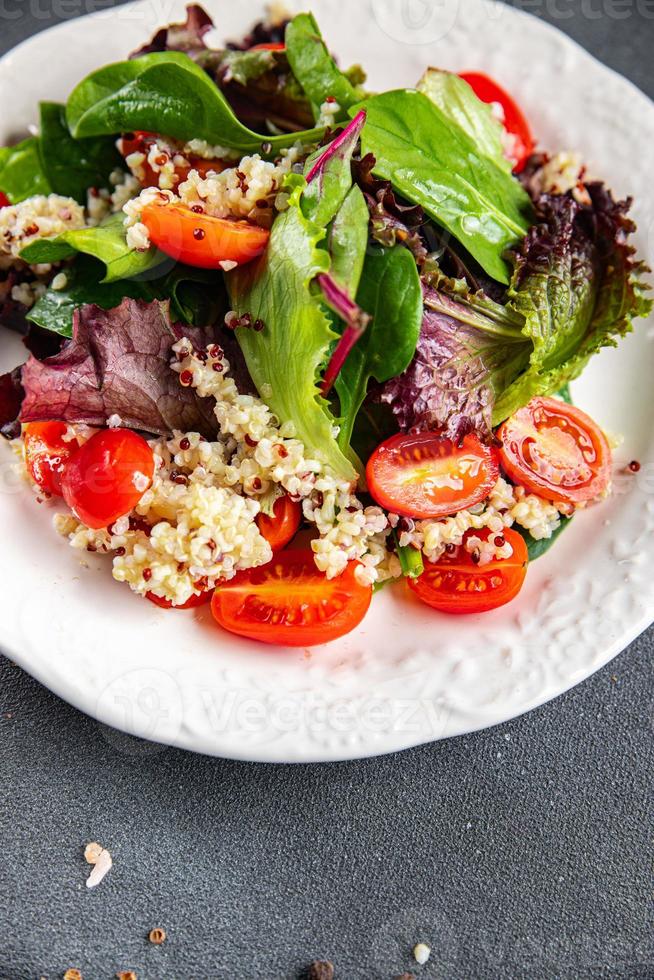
(347,241)
(105,242)
(284,359)
(314,67)
(432,161)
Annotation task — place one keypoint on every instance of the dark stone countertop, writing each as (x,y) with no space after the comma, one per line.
(519,852)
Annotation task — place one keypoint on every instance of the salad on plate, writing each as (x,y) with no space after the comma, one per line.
(291,340)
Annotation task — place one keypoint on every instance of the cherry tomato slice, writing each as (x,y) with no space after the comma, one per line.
(107,477)
(290,603)
(203,599)
(455,584)
(46,454)
(282,527)
(512,117)
(556,451)
(200,240)
(4,200)
(426,475)
(270,46)
(142,142)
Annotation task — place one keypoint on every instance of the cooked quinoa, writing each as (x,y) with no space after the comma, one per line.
(196,525)
(37,217)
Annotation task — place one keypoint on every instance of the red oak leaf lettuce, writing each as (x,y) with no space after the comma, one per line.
(118,364)
(468,350)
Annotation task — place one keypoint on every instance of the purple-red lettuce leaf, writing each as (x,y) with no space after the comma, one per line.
(118,364)
(392,222)
(468,351)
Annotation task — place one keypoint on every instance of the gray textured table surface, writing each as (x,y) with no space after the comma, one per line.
(520,852)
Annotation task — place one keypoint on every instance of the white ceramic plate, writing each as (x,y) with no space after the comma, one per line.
(408,675)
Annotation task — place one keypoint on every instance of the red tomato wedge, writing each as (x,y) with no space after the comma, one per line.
(455,584)
(46,454)
(511,118)
(200,240)
(282,527)
(107,477)
(193,603)
(556,451)
(270,46)
(4,200)
(142,142)
(290,603)
(426,475)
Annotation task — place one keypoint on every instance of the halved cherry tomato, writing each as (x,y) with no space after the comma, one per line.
(512,117)
(456,584)
(270,46)
(556,451)
(290,603)
(107,477)
(46,454)
(142,142)
(427,475)
(4,200)
(200,240)
(282,527)
(203,599)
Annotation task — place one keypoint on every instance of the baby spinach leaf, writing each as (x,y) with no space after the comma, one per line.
(73,166)
(197,296)
(457,101)
(165,93)
(390,291)
(431,161)
(105,242)
(55,310)
(21,171)
(537,548)
(285,357)
(314,67)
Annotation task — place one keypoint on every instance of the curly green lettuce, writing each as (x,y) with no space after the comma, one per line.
(579,287)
